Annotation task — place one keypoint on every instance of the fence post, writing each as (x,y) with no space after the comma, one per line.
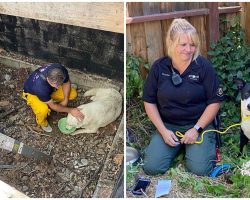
(213,23)
(245,18)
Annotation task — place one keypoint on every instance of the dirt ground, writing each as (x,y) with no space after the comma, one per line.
(61,177)
(176,190)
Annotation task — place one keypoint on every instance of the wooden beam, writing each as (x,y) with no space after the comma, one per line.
(107,16)
(213,23)
(231,9)
(170,15)
(179,14)
(245,18)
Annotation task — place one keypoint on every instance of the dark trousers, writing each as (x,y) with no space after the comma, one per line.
(200,158)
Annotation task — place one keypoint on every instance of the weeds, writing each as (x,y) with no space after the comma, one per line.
(132,170)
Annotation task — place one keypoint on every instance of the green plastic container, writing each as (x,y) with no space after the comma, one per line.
(62,127)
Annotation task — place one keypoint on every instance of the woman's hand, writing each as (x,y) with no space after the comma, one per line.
(76,113)
(170,138)
(190,136)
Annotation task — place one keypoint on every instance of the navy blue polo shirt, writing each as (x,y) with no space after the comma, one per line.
(183,104)
(37,84)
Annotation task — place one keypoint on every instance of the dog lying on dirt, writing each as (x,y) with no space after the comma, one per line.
(105,107)
(244,89)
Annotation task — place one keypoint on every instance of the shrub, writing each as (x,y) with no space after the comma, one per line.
(134,79)
(230,57)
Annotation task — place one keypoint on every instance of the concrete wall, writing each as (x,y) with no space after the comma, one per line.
(89,50)
(101,15)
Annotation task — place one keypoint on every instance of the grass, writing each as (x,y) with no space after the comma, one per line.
(185,184)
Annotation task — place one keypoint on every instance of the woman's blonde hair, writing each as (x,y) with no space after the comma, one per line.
(176,29)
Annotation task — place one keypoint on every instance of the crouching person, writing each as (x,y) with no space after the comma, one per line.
(48,88)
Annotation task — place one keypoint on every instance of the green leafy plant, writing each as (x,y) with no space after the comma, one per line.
(241,182)
(132,170)
(216,190)
(230,57)
(134,79)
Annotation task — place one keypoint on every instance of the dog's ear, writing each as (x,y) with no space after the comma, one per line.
(239,83)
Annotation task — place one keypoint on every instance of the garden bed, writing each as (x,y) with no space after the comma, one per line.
(63,177)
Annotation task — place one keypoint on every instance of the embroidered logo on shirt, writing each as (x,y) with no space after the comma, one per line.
(165,74)
(193,77)
(219,92)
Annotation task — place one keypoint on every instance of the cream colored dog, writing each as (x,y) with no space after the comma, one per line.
(105,107)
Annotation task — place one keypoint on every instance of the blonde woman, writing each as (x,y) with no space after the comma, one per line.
(181,93)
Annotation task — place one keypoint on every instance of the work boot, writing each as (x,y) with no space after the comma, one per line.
(47,128)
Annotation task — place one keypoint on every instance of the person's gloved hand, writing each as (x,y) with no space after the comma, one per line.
(190,136)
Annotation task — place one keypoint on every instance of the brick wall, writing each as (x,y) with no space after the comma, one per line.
(89,50)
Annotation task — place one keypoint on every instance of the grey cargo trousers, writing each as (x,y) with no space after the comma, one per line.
(200,158)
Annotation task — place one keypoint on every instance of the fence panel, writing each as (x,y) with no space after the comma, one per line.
(147,37)
(153,32)
(136,32)
(245,19)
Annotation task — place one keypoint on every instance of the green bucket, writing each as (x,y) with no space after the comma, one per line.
(62,126)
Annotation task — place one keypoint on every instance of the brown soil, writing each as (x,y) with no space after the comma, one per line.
(59,178)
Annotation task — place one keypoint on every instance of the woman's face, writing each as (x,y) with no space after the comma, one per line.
(185,49)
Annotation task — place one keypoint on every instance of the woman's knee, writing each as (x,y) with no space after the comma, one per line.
(158,156)
(200,168)
(155,163)
(151,168)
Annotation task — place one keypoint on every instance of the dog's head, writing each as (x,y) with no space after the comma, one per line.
(72,122)
(244,89)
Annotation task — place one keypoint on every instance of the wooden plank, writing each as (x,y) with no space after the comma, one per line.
(138,40)
(180,6)
(199,23)
(245,19)
(213,23)
(100,15)
(134,9)
(164,16)
(166,7)
(232,9)
(137,31)
(136,34)
(128,40)
(138,44)
(153,33)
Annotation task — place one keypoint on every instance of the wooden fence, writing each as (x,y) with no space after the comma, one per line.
(147,24)
(105,16)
